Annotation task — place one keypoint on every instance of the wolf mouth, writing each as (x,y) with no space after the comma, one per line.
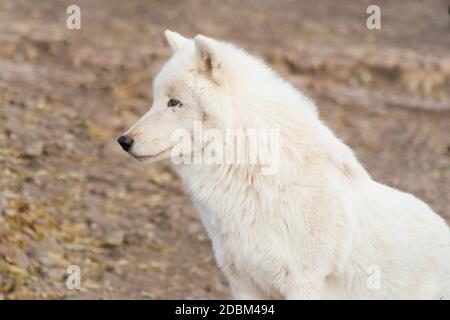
(150,157)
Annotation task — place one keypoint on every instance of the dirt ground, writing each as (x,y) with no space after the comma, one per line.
(70,196)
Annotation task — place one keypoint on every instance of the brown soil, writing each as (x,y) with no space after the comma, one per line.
(70,196)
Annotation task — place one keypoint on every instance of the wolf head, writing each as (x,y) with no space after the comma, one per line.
(215,84)
(190,88)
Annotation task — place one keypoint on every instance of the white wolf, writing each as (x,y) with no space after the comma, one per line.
(320,228)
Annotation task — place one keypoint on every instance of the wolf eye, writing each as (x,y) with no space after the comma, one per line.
(174,103)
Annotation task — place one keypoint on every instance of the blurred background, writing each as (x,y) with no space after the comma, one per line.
(70,196)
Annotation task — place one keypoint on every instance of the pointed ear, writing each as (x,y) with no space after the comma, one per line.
(209,57)
(176,41)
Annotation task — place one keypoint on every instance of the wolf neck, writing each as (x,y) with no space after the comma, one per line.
(311,158)
(230,195)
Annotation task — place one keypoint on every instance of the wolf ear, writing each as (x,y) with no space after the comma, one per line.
(209,58)
(176,41)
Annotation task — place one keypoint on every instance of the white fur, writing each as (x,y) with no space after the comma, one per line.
(313,229)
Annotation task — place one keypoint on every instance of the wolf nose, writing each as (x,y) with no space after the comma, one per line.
(125,142)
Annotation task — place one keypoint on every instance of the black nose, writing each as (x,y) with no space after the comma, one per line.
(126,142)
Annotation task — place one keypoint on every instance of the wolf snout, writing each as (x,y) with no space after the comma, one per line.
(126,142)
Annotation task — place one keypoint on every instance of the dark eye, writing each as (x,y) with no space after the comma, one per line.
(174,103)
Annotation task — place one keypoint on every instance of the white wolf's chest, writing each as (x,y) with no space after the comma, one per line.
(261,231)
(247,251)
(249,243)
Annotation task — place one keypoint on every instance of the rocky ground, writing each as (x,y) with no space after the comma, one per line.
(70,196)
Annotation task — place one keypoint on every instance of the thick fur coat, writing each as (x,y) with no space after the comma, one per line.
(321,227)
